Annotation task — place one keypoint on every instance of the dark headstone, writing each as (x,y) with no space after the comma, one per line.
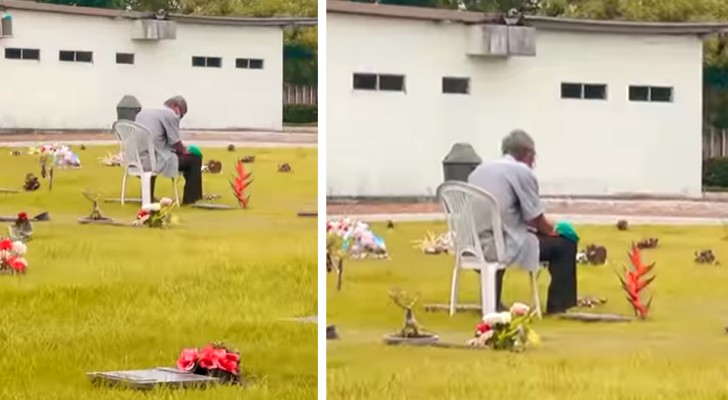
(460,162)
(128,108)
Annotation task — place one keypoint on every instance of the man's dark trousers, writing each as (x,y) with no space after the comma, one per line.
(560,255)
(191,168)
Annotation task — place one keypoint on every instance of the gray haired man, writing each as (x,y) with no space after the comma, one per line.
(529,237)
(172,155)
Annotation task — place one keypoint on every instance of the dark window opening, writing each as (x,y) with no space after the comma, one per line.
(391,83)
(365,81)
(75,56)
(256,63)
(639,93)
(14,54)
(212,62)
(31,54)
(598,92)
(456,85)
(661,94)
(242,63)
(124,58)
(571,90)
(66,56)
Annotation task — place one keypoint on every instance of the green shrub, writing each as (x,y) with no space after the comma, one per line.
(300,114)
(715,172)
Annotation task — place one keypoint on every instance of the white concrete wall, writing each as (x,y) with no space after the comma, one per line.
(51,94)
(392,143)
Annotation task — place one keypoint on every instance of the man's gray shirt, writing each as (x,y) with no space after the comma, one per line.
(514,186)
(163,123)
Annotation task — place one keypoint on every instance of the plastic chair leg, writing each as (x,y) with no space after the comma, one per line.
(146,188)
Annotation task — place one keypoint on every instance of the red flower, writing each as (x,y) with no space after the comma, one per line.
(187,360)
(209,357)
(230,363)
(482,328)
(22,216)
(6,244)
(240,183)
(142,214)
(17,264)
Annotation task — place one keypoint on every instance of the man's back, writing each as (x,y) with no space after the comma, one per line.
(514,186)
(163,124)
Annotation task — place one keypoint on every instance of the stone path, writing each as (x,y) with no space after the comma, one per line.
(308,138)
(683,211)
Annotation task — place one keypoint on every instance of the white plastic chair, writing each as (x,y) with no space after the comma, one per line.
(469,208)
(132,139)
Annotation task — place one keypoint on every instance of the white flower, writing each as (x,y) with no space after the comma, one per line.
(519,309)
(152,207)
(19,248)
(497,318)
(165,202)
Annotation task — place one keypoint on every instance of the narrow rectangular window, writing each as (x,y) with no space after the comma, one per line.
(256,63)
(393,83)
(14,54)
(571,90)
(124,58)
(456,85)
(365,81)
(65,55)
(639,93)
(31,54)
(211,62)
(76,56)
(242,63)
(595,92)
(661,94)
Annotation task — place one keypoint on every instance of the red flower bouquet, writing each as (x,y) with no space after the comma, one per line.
(213,360)
(240,184)
(11,257)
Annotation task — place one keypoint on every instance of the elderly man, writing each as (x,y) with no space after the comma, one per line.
(172,156)
(529,236)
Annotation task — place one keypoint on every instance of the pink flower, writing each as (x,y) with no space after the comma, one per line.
(6,244)
(187,360)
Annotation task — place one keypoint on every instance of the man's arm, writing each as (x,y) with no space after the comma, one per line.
(171,128)
(525,187)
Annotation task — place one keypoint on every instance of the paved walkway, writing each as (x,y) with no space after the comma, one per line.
(302,138)
(667,212)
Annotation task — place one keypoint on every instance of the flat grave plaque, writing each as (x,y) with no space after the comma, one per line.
(5,190)
(313,319)
(458,307)
(593,317)
(127,200)
(212,206)
(310,214)
(145,379)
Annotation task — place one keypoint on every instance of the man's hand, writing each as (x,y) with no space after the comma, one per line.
(543,226)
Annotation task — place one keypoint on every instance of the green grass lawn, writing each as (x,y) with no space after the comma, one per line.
(679,353)
(99,298)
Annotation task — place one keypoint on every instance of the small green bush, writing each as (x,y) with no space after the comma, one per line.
(715,172)
(300,114)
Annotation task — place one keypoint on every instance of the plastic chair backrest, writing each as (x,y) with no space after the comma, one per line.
(470,210)
(135,140)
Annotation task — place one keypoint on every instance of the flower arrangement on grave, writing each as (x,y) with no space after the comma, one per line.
(21,229)
(240,183)
(635,281)
(12,256)
(509,330)
(215,360)
(60,154)
(706,257)
(155,215)
(435,244)
(592,255)
(31,183)
(357,239)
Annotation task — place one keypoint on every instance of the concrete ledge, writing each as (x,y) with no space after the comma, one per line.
(579,219)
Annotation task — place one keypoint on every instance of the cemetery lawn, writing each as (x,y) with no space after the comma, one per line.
(105,298)
(679,353)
